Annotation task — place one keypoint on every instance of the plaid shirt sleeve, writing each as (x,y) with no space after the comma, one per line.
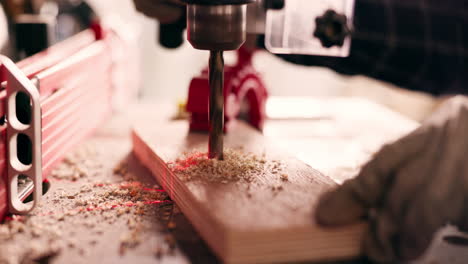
(416,44)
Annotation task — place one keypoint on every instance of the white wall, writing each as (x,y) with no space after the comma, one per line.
(167,72)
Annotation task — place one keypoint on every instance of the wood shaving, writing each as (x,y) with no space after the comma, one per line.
(284,177)
(130,240)
(78,164)
(87,202)
(171,225)
(236,166)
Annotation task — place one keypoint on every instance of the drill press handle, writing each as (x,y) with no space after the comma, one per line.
(171,35)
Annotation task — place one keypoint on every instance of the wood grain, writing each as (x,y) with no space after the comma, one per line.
(247,222)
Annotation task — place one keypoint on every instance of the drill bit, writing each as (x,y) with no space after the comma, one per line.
(216,76)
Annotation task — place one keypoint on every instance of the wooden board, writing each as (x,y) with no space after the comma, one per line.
(336,136)
(263,227)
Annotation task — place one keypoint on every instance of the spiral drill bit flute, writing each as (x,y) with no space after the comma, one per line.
(216,25)
(216,76)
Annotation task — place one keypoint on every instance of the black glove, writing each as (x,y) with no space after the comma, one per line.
(409,189)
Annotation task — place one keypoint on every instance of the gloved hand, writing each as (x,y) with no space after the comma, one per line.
(409,189)
(166,11)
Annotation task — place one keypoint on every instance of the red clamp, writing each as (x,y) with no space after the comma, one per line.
(244,95)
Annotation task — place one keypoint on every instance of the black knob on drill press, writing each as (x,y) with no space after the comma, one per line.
(331,28)
(171,35)
(273,4)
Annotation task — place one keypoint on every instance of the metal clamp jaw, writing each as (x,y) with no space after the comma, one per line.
(23,141)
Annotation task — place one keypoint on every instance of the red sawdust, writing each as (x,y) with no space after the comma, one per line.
(187,162)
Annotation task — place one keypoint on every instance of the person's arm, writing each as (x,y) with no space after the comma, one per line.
(416,44)
(410,188)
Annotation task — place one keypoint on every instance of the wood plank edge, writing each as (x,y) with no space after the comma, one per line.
(205,225)
(334,244)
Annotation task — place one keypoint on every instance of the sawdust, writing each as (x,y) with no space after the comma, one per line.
(237,166)
(284,177)
(69,169)
(90,204)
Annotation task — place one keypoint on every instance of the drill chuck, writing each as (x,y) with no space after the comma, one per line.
(216,24)
(216,27)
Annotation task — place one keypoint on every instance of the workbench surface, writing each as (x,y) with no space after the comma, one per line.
(97,212)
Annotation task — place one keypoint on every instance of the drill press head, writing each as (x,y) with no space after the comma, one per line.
(216,24)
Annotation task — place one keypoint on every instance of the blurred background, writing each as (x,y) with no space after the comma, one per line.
(166,73)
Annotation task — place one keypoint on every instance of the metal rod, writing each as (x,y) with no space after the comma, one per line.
(216,75)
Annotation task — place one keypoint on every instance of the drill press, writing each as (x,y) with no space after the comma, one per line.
(216,25)
(319,27)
